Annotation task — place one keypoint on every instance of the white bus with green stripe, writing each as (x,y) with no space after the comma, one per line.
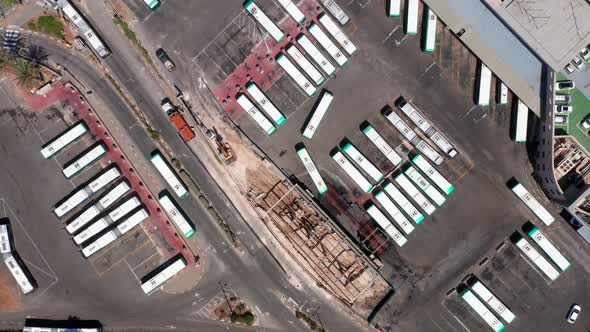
(425,186)
(429,39)
(354,173)
(264,20)
(177,217)
(169,175)
(64,139)
(362,161)
(293,10)
(381,144)
(327,44)
(84,160)
(403,202)
(483,312)
(531,202)
(393,8)
(316,55)
(296,75)
(317,114)
(387,226)
(152,4)
(484,85)
(437,178)
(549,249)
(271,110)
(337,33)
(411,18)
(521,119)
(305,64)
(255,114)
(415,194)
(394,212)
(490,299)
(537,259)
(312,169)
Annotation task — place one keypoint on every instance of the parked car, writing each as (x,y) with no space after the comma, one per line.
(565,85)
(569,68)
(586,123)
(578,62)
(585,54)
(563,99)
(561,119)
(564,109)
(573,313)
(165,59)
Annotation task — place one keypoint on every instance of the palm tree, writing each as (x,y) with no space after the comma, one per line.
(26,72)
(6,59)
(36,54)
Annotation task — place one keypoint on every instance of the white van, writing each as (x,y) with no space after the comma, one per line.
(561,119)
(564,99)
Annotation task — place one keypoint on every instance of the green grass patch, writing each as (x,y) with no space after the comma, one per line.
(581,110)
(49,25)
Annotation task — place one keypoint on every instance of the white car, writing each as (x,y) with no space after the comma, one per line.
(564,109)
(561,119)
(569,68)
(585,54)
(586,123)
(578,62)
(565,85)
(573,314)
(167,106)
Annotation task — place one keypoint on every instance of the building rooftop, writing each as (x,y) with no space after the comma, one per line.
(495,45)
(556,30)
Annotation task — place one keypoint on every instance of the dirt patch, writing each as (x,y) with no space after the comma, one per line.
(10,299)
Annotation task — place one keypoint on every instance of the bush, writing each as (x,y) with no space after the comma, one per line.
(49,25)
(247,318)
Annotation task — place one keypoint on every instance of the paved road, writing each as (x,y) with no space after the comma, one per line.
(252,272)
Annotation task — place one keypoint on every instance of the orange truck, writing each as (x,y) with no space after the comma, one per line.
(183,128)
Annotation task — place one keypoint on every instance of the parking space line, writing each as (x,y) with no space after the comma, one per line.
(222,31)
(223,71)
(456,318)
(145,260)
(237,46)
(226,55)
(117,262)
(390,33)
(132,272)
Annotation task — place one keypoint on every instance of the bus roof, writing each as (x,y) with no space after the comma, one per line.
(247,3)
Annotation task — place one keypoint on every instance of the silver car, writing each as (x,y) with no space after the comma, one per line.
(573,314)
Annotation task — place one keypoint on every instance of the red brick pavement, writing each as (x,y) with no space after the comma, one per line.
(271,72)
(165,235)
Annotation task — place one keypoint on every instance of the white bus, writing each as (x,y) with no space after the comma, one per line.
(84,28)
(296,75)
(411,17)
(82,194)
(443,143)
(484,84)
(414,193)
(100,243)
(264,20)
(537,259)
(381,144)
(336,11)
(316,55)
(403,202)
(20,273)
(305,64)
(433,174)
(132,221)
(493,302)
(64,139)
(317,114)
(413,114)
(363,162)
(176,216)
(312,170)
(255,113)
(429,152)
(393,8)
(293,10)
(5,241)
(430,31)
(387,226)
(327,44)
(271,110)
(104,222)
(425,186)
(400,124)
(394,212)
(163,273)
(168,174)
(482,311)
(548,247)
(152,4)
(521,125)
(532,203)
(501,93)
(108,199)
(82,161)
(354,173)
(337,33)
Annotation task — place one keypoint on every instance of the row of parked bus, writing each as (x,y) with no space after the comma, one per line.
(411,16)
(308,72)
(17,267)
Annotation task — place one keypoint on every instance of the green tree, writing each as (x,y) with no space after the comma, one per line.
(26,72)
(36,54)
